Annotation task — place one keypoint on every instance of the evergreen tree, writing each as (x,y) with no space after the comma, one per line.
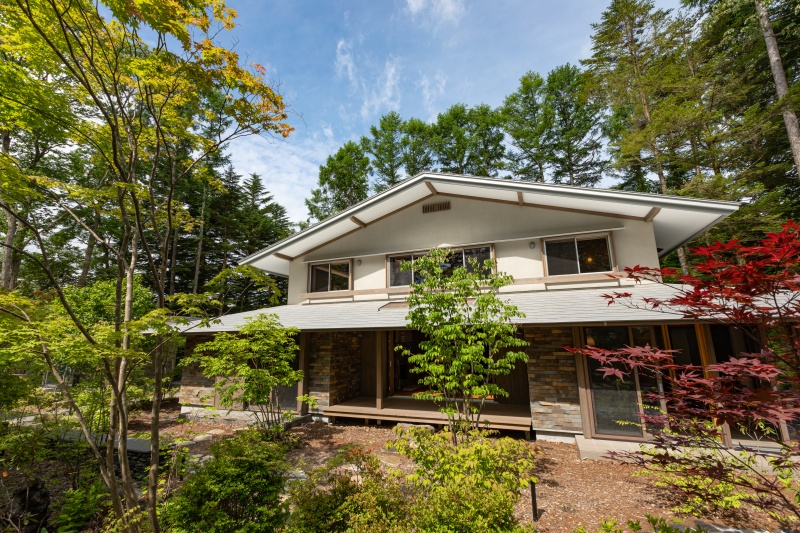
(386,148)
(469,141)
(343,181)
(575,147)
(417,154)
(528,121)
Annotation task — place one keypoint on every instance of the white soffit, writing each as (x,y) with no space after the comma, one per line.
(677,219)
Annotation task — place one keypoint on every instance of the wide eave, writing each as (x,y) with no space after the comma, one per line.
(675,219)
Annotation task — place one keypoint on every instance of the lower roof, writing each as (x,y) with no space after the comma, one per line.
(552,307)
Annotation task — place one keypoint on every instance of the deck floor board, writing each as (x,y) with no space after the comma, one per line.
(499,416)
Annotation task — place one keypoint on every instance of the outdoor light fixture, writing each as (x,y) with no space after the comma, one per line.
(531,245)
(358,262)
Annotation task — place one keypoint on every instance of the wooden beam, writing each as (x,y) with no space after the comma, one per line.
(380,367)
(431,188)
(358,222)
(520,201)
(542,206)
(284,257)
(652,214)
(415,202)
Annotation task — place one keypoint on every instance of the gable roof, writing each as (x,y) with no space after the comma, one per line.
(676,219)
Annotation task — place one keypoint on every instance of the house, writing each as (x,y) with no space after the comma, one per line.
(347,296)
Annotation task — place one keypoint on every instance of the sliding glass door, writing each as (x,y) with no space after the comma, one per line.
(615,401)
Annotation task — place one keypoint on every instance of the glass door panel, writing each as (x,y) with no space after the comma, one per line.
(615,401)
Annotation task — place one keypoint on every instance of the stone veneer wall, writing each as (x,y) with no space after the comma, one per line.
(196,390)
(553,380)
(334,366)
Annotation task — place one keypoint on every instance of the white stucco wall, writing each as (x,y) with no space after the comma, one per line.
(509,227)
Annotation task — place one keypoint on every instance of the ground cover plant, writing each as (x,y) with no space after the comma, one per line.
(755,288)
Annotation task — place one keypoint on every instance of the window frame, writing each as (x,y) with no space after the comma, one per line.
(423,252)
(329,263)
(575,239)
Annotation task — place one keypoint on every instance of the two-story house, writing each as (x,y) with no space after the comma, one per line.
(347,296)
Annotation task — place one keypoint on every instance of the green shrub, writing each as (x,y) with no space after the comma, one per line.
(80,506)
(238,490)
(470,487)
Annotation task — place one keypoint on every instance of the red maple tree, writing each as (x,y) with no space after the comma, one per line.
(755,289)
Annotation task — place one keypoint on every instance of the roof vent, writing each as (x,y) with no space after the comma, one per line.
(433,208)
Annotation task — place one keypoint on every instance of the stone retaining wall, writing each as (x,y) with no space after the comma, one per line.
(553,380)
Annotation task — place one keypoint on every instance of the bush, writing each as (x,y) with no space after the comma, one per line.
(471,487)
(80,506)
(238,490)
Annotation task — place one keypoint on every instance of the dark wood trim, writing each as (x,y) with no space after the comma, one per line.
(584,394)
(342,236)
(554,208)
(431,188)
(284,257)
(358,222)
(569,278)
(350,293)
(380,352)
(613,251)
(415,202)
(520,199)
(652,214)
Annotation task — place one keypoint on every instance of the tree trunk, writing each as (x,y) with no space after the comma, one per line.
(87,262)
(173,260)
(781,85)
(7,268)
(200,243)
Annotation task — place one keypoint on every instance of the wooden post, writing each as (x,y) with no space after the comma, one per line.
(302,362)
(380,367)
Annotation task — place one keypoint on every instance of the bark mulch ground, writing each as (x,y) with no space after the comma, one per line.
(570,492)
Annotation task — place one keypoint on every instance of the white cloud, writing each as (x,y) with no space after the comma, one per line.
(436,13)
(385,93)
(289,168)
(432,89)
(345,65)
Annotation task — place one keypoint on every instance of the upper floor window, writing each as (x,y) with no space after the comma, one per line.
(330,276)
(577,255)
(400,278)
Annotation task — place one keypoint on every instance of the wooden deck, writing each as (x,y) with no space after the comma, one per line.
(513,417)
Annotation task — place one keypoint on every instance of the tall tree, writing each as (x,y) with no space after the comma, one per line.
(575,148)
(417,155)
(634,65)
(385,147)
(469,140)
(528,121)
(140,105)
(343,181)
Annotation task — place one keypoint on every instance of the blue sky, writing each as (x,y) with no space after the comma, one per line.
(341,65)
